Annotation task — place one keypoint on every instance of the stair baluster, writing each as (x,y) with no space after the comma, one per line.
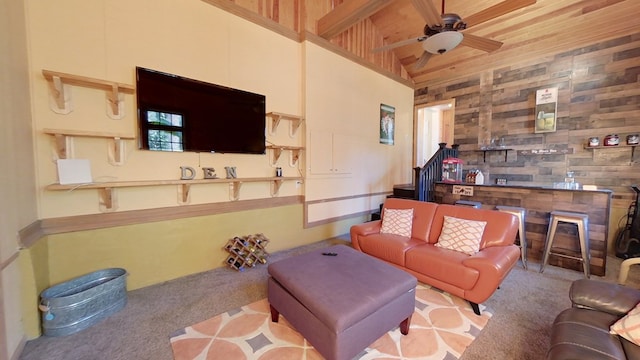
(426,176)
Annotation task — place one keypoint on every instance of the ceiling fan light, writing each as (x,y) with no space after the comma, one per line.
(442,42)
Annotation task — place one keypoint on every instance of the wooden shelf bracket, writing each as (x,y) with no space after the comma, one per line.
(60,92)
(275,121)
(60,96)
(184,194)
(108,201)
(277,151)
(275,186)
(116,151)
(294,156)
(115,103)
(295,125)
(63,146)
(234,190)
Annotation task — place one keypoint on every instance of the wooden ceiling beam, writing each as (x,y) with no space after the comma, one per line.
(348,14)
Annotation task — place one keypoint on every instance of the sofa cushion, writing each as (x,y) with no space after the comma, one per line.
(388,247)
(501,227)
(628,326)
(461,235)
(397,222)
(443,265)
(423,213)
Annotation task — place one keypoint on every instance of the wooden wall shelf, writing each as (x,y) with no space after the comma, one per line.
(296,121)
(633,148)
(277,151)
(484,153)
(62,103)
(108,200)
(64,143)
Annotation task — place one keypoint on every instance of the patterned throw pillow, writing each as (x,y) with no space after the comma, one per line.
(461,235)
(397,221)
(628,326)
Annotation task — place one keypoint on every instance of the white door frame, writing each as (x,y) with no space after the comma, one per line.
(442,131)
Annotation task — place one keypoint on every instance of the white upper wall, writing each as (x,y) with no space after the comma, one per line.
(107,39)
(343,98)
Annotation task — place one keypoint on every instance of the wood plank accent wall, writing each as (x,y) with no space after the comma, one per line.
(539,203)
(599,94)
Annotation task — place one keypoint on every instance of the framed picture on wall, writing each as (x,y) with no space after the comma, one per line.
(546,110)
(387,124)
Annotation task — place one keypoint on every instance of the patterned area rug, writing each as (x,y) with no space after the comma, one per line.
(442,327)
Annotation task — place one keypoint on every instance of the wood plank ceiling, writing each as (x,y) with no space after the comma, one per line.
(531,32)
(537,28)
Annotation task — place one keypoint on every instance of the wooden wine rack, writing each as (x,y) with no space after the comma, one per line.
(246,251)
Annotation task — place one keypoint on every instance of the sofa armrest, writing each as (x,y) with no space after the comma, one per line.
(495,259)
(364,229)
(493,264)
(606,297)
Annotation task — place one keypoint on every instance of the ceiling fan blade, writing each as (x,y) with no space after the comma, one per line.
(422,61)
(398,44)
(496,10)
(480,43)
(428,11)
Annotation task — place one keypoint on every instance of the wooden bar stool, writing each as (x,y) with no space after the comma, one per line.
(581,220)
(520,213)
(474,204)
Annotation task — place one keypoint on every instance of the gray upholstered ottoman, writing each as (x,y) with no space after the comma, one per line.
(341,304)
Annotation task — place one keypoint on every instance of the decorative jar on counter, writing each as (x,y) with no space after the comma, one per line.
(594,141)
(633,139)
(611,140)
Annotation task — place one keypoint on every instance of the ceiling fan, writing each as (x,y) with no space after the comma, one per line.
(442,32)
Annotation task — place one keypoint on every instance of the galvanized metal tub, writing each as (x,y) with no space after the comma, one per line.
(83,301)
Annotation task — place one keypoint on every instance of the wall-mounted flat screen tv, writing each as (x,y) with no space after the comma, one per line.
(176,113)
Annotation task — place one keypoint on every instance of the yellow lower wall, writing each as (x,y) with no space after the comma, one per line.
(160,251)
(34,271)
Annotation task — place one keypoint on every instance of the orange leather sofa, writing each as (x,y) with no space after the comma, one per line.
(471,277)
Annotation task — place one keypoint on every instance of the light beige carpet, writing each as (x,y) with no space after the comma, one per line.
(442,327)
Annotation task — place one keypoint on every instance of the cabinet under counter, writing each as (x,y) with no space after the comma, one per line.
(539,201)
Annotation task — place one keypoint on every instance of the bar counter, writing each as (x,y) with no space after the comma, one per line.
(539,201)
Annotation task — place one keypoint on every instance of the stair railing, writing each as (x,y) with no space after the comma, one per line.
(426,176)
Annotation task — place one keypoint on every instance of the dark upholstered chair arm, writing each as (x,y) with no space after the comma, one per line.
(606,297)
